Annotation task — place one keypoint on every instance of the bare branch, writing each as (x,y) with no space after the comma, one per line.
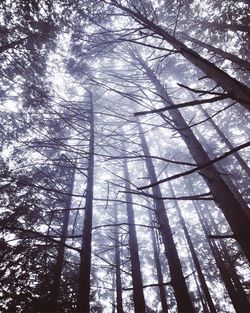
(223,156)
(182,105)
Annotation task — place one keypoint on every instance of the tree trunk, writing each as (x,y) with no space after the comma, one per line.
(118,282)
(61,250)
(201,295)
(138,296)
(228,273)
(242,301)
(230,206)
(226,55)
(226,178)
(85,254)
(227,142)
(184,303)
(237,296)
(235,89)
(194,255)
(158,268)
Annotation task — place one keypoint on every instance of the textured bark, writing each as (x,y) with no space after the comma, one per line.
(118,282)
(194,255)
(85,254)
(184,303)
(234,88)
(138,296)
(226,200)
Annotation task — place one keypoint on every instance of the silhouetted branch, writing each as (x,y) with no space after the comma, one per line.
(247,144)
(221,236)
(182,105)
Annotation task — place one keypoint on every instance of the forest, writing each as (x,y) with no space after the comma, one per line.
(124,156)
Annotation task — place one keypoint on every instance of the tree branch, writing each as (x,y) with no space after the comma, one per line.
(221,236)
(247,144)
(182,105)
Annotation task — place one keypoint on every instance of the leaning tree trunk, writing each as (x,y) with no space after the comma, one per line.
(236,90)
(138,296)
(237,296)
(227,142)
(227,179)
(193,253)
(228,273)
(184,303)
(85,253)
(242,301)
(226,55)
(230,206)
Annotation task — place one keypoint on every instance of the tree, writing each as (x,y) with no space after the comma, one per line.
(138,296)
(101,211)
(184,303)
(85,253)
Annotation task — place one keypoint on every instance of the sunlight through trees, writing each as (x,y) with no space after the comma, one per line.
(124,156)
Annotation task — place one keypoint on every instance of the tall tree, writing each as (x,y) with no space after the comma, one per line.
(237,218)
(138,295)
(184,303)
(119,305)
(83,297)
(194,255)
(234,88)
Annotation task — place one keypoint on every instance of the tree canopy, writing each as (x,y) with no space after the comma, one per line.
(124,156)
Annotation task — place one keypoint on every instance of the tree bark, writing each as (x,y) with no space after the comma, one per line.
(226,178)
(138,296)
(85,253)
(184,303)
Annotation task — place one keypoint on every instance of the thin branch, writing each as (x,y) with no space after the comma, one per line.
(223,156)
(221,236)
(38,234)
(121,224)
(182,105)
(194,197)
